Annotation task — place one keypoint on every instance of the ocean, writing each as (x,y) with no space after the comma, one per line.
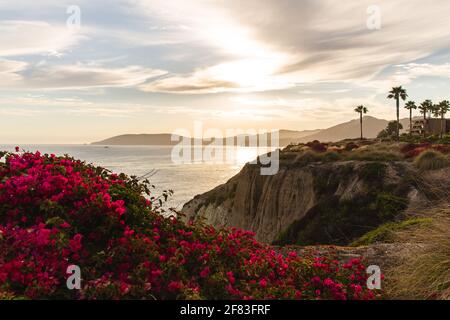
(186,180)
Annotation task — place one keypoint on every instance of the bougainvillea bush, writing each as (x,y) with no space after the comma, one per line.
(58,211)
(413,150)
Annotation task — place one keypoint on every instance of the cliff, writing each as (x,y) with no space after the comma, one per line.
(309,201)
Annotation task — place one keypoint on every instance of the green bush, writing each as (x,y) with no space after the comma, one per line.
(332,156)
(340,222)
(432,160)
(307,157)
(385,232)
(388,205)
(445,139)
(374,171)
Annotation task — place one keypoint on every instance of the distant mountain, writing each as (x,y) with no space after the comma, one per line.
(164,139)
(161,139)
(290,136)
(348,130)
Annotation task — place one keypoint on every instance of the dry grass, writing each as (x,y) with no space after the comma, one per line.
(435,185)
(432,160)
(425,272)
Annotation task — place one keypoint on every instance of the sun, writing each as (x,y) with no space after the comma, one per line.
(244,155)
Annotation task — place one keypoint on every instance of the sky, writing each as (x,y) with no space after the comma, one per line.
(82,71)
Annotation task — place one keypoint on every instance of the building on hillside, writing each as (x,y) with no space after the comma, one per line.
(430,126)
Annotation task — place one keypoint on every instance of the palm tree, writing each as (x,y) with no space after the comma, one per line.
(444,107)
(435,111)
(410,105)
(425,108)
(361,110)
(398,93)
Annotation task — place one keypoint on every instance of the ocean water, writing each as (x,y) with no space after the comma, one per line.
(186,180)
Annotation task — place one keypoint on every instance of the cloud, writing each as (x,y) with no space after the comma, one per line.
(78,76)
(12,66)
(194,84)
(332,40)
(244,75)
(303,41)
(407,72)
(32,105)
(27,37)
(82,76)
(331,111)
(9,72)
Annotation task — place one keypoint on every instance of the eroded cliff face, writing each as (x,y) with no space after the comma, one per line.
(253,202)
(306,200)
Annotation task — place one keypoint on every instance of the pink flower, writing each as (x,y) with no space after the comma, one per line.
(120,211)
(328,282)
(174,286)
(316,281)
(161,257)
(263,283)
(156,273)
(43,237)
(205,272)
(65,225)
(124,288)
(75,243)
(17,149)
(231,277)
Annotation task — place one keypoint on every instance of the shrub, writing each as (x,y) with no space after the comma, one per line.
(373,172)
(389,205)
(332,156)
(317,146)
(412,150)
(441,148)
(58,211)
(409,147)
(445,140)
(385,232)
(341,222)
(432,160)
(374,156)
(307,157)
(351,146)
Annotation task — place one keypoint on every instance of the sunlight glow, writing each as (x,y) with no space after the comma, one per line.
(244,155)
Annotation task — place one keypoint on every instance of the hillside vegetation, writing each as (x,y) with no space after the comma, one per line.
(323,193)
(387,202)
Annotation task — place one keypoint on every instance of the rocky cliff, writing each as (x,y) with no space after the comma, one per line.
(309,202)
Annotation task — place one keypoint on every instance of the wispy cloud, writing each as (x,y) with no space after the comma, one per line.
(302,41)
(26,37)
(32,105)
(78,76)
(82,76)
(9,71)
